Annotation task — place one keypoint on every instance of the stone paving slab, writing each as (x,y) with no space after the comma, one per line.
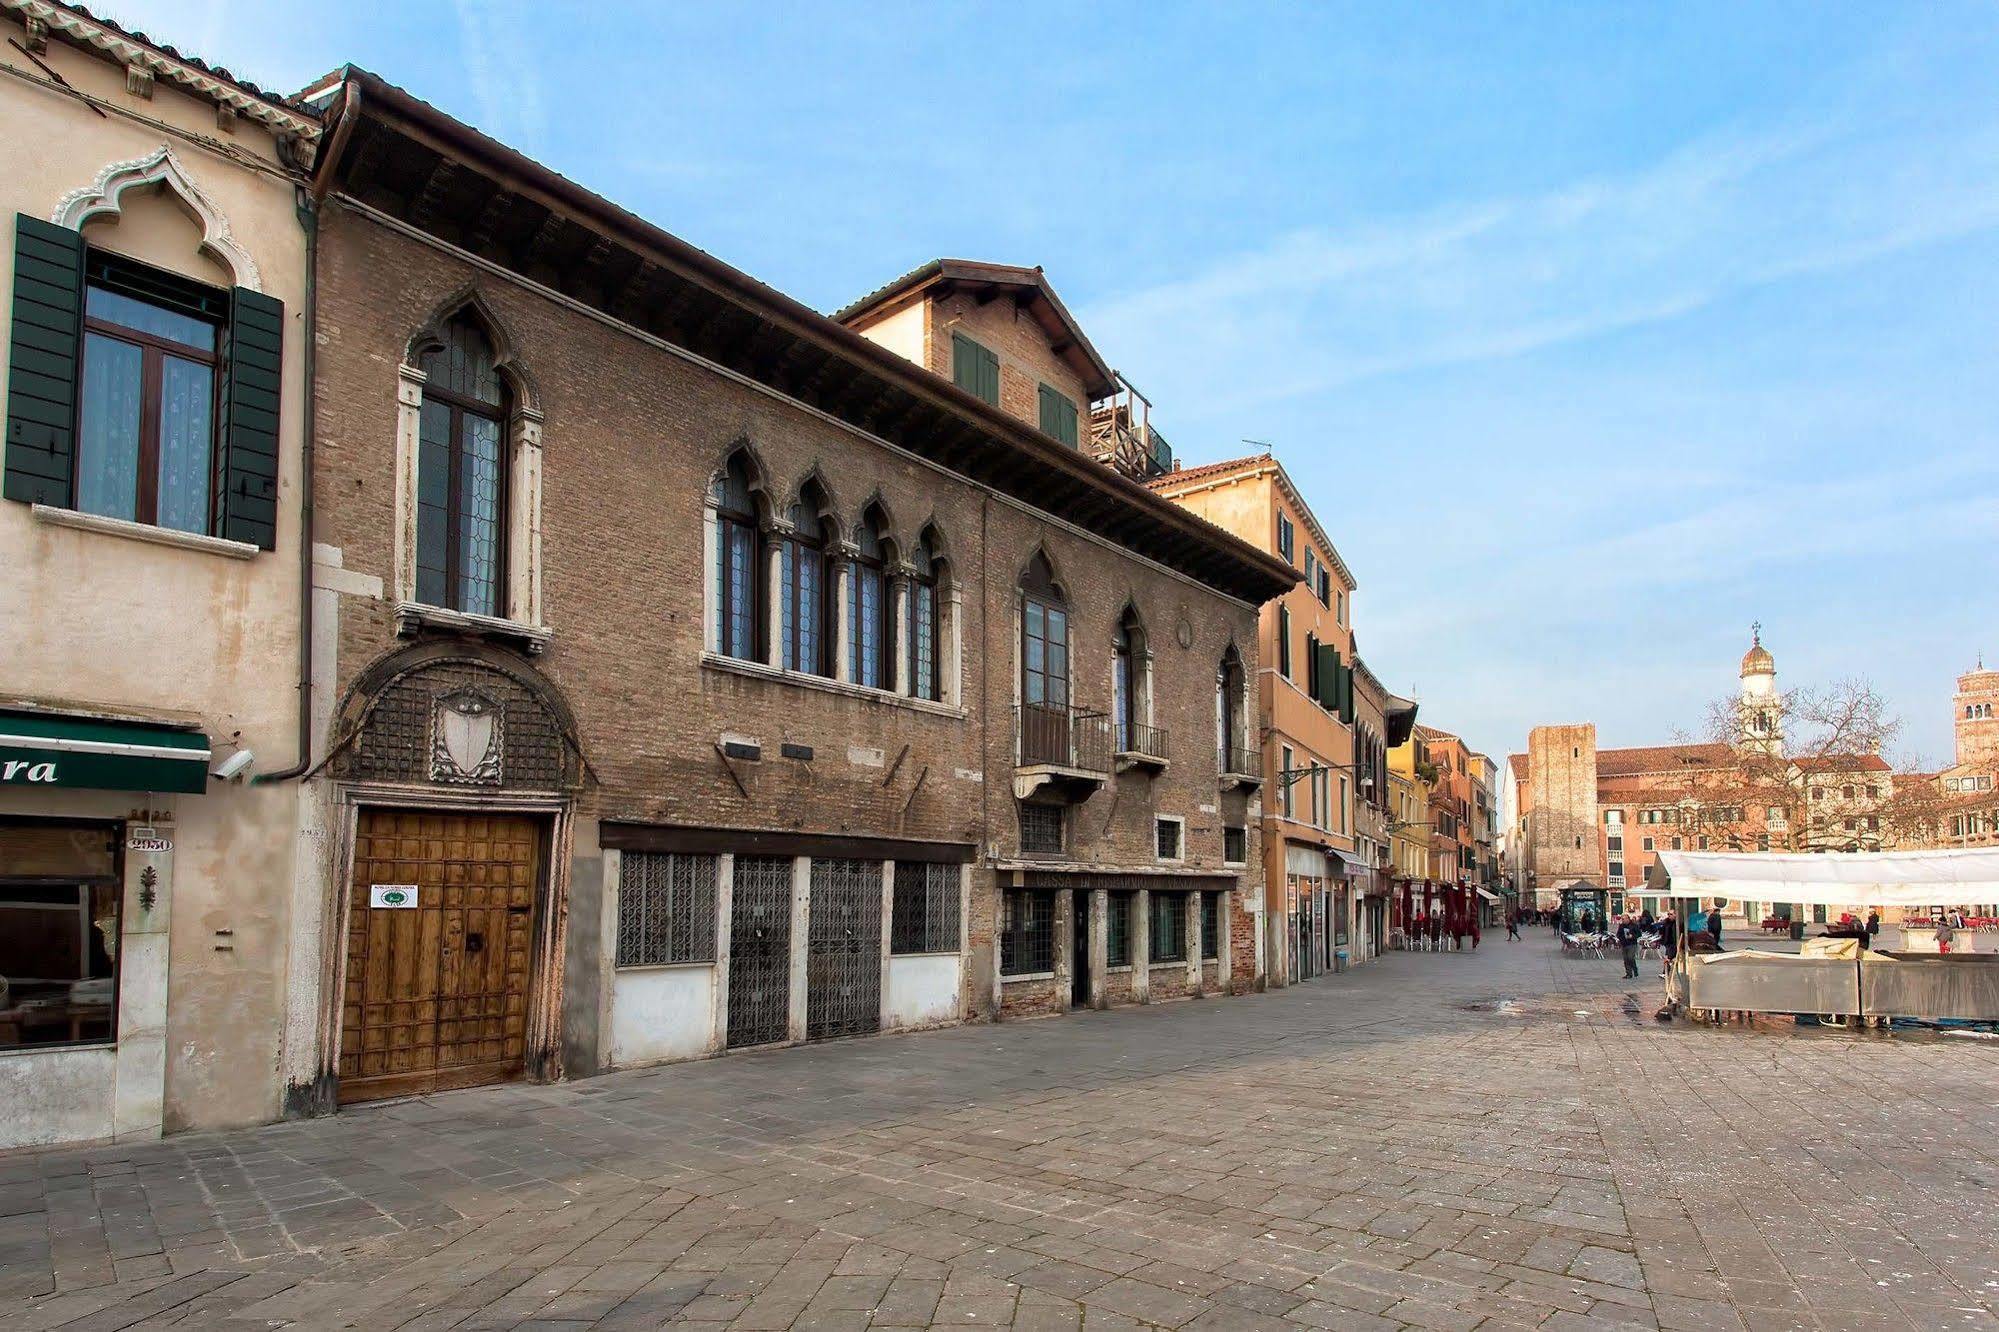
(1503,1139)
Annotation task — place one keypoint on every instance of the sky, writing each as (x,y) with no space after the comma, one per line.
(1591,332)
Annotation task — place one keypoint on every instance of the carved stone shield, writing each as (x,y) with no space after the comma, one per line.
(465,739)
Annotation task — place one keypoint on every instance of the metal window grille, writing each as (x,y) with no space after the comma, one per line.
(1027,931)
(1117,931)
(1211,926)
(843,963)
(666,909)
(1166,838)
(1235,845)
(926,908)
(1169,927)
(1041,829)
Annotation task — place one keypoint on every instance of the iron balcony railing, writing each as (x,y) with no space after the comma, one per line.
(1138,738)
(1063,737)
(1240,762)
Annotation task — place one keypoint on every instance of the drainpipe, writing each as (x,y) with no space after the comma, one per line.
(308,217)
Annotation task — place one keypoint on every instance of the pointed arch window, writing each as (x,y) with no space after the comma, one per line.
(1044,629)
(807,603)
(870,637)
(1228,713)
(461,474)
(738,551)
(926,674)
(1128,680)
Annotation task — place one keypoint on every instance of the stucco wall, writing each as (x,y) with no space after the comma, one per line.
(102,619)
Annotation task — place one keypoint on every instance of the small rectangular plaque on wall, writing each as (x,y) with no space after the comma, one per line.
(392,896)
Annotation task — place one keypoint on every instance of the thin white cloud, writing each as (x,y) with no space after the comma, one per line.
(504,70)
(1323,307)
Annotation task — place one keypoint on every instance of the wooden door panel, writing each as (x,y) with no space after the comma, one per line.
(437,995)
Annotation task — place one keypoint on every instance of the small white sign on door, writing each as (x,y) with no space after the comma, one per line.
(391,895)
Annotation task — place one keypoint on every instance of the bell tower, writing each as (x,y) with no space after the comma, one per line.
(1759,708)
(1975,712)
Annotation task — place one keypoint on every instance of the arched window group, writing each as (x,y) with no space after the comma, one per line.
(1229,725)
(850,609)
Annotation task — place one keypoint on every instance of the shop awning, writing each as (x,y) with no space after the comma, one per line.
(1488,896)
(39,749)
(1862,878)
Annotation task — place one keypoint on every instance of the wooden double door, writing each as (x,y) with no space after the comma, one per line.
(441,933)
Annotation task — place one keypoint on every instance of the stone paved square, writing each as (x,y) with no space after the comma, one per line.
(1501,1139)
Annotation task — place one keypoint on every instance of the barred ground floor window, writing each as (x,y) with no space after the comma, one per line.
(666,908)
(926,909)
(1117,930)
(1211,926)
(1169,927)
(1027,931)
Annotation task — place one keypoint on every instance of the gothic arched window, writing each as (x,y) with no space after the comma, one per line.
(461,474)
(738,558)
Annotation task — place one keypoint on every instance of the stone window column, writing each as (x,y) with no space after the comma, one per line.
(1100,947)
(900,655)
(1141,946)
(1194,940)
(523,573)
(840,559)
(775,536)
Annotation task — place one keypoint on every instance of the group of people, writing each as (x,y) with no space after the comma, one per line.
(1434,931)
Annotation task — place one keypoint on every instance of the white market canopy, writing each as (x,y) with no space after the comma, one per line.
(1860,878)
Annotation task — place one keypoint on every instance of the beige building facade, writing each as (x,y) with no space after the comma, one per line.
(155,395)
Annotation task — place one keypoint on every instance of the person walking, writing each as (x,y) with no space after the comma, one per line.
(1669,938)
(1513,926)
(1873,926)
(1627,942)
(1714,926)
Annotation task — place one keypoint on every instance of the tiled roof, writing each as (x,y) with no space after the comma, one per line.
(1181,476)
(1518,762)
(1660,758)
(1844,763)
(112,41)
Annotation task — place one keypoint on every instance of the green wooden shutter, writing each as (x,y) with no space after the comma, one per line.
(1346,695)
(1058,416)
(974,369)
(1327,694)
(1284,641)
(246,437)
(43,362)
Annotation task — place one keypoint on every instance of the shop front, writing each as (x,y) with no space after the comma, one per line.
(87,835)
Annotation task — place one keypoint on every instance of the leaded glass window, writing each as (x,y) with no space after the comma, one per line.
(461,475)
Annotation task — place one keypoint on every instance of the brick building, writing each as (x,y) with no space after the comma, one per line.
(1323,731)
(697,672)
(1604,815)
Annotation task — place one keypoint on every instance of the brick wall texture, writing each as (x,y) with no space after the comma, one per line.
(632,435)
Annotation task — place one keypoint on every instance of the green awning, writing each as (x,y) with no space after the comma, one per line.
(47,749)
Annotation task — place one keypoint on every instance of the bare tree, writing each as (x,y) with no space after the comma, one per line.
(1802,771)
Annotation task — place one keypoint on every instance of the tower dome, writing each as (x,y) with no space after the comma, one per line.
(1758,661)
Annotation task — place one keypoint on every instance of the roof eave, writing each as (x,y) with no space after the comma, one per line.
(1255,576)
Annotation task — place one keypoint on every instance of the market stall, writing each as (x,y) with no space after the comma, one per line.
(1845,981)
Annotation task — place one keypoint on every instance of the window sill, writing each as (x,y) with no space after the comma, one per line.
(1028,976)
(623,967)
(931,952)
(413,616)
(131,531)
(69,1047)
(757,670)
(1180,965)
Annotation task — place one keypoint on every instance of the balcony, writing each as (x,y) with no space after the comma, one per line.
(1140,747)
(1067,751)
(1241,767)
